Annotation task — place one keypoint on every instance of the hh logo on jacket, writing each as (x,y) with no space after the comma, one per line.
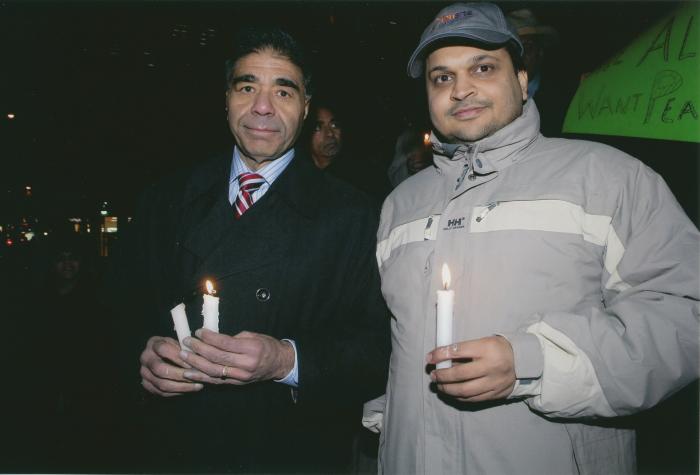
(455,223)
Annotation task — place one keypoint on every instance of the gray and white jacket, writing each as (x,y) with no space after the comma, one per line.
(578,254)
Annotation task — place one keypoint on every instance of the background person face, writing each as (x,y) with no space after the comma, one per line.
(327,137)
(267,105)
(472,92)
(66,266)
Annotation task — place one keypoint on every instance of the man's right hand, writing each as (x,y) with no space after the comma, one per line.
(162,368)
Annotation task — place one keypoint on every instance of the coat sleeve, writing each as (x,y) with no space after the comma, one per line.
(641,346)
(351,365)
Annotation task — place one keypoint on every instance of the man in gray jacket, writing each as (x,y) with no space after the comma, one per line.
(574,271)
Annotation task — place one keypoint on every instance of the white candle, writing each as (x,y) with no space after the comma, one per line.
(182,328)
(445,305)
(210,309)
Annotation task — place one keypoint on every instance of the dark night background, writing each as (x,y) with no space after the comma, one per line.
(108,97)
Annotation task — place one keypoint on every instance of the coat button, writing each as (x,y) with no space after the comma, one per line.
(263,295)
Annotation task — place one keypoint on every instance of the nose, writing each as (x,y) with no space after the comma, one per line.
(463,88)
(328,131)
(262,104)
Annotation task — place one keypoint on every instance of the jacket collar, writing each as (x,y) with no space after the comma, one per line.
(496,151)
(300,185)
(206,217)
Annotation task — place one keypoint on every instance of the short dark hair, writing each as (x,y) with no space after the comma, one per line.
(256,39)
(326,101)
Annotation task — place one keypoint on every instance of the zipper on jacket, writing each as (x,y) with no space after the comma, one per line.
(471,151)
(468,169)
(488,209)
(426,232)
(465,169)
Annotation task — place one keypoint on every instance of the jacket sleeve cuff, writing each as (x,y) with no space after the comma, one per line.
(527,355)
(528,359)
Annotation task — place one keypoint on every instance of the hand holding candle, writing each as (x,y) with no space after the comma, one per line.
(445,305)
(210,309)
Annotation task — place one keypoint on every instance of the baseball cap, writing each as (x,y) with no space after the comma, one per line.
(481,22)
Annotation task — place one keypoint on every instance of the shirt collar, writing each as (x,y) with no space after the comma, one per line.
(270,171)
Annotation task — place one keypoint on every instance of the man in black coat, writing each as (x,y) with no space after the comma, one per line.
(303,330)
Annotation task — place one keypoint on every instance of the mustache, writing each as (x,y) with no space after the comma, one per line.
(268,124)
(468,104)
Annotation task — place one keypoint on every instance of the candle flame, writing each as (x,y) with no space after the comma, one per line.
(210,287)
(445,276)
(426,139)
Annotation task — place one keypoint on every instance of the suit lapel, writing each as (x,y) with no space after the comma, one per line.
(215,245)
(203,222)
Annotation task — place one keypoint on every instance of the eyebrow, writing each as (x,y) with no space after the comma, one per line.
(482,57)
(244,78)
(473,60)
(284,82)
(287,83)
(438,68)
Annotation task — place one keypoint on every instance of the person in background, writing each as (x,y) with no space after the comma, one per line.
(331,142)
(412,154)
(551,90)
(68,407)
(326,143)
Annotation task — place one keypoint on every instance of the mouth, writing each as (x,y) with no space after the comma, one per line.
(331,146)
(260,130)
(468,112)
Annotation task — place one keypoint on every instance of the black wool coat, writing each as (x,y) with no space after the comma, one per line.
(300,264)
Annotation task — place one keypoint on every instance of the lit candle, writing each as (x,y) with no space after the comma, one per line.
(426,139)
(210,309)
(445,304)
(182,328)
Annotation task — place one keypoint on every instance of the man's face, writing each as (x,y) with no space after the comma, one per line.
(472,92)
(327,136)
(266,106)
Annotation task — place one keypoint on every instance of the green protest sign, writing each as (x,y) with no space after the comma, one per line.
(651,89)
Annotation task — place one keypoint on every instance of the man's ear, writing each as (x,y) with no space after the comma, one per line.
(522,79)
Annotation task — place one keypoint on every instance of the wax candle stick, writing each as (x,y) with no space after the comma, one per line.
(182,328)
(445,306)
(210,309)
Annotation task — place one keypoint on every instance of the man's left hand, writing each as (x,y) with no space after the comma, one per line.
(482,369)
(240,359)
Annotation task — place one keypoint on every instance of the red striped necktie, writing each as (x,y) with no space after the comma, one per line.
(248,183)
